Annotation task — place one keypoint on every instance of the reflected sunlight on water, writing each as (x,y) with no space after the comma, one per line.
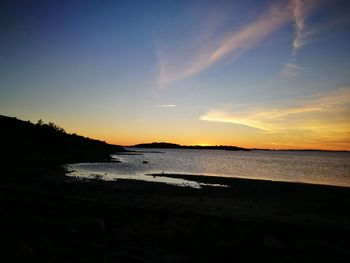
(331,168)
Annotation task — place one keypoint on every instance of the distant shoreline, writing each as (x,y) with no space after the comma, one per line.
(165,145)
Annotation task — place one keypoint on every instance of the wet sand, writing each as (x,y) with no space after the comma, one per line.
(71,220)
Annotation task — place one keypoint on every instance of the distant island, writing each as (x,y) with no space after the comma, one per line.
(166,145)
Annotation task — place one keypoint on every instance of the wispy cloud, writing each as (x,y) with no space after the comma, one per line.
(301,9)
(326,112)
(215,48)
(166,105)
(291,69)
(232,45)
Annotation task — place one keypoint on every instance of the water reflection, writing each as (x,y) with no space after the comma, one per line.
(78,170)
(331,168)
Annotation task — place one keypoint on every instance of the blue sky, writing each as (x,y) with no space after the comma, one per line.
(251,73)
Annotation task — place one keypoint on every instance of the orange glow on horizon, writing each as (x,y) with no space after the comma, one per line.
(272,146)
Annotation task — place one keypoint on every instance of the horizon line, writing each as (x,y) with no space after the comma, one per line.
(248,148)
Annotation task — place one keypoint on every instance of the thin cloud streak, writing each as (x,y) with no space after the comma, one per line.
(234,45)
(323,112)
(291,69)
(299,16)
(166,106)
(301,9)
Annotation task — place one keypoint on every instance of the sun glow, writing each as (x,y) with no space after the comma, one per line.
(203,144)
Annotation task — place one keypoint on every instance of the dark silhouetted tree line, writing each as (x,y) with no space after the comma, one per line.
(25,143)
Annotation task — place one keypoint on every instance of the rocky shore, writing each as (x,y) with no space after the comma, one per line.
(134,221)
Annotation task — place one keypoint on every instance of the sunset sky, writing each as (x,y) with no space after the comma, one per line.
(264,74)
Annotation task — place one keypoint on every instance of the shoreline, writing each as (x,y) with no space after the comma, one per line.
(226,180)
(252,197)
(135,221)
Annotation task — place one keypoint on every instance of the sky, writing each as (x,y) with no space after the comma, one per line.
(251,73)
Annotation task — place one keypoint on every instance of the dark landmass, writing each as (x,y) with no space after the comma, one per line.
(31,149)
(166,145)
(73,220)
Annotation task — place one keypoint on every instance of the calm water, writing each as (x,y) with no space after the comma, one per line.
(331,168)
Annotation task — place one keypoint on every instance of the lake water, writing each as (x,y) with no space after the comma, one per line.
(316,167)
